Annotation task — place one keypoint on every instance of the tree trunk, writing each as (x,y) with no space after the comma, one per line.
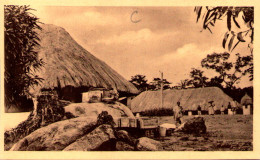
(35,107)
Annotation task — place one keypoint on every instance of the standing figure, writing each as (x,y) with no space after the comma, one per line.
(199,110)
(211,108)
(229,109)
(177,113)
(222,110)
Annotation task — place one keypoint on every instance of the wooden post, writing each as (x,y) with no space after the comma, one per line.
(161,89)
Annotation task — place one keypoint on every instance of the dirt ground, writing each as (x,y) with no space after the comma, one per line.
(224,133)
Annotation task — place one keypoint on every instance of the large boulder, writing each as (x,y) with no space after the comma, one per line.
(56,136)
(99,137)
(147,144)
(194,125)
(94,109)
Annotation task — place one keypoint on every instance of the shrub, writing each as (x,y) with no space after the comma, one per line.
(158,112)
(105,118)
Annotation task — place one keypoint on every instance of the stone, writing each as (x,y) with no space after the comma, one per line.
(147,144)
(194,125)
(99,137)
(184,138)
(201,139)
(94,109)
(56,136)
(193,138)
(123,146)
(124,136)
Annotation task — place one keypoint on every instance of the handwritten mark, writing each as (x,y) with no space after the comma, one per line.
(132,19)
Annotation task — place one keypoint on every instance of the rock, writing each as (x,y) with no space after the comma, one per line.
(193,139)
(93,109)
(147,144)
(123,146)
(201,139)
(194,125)
(184,138)
(56,136)
(123,135)
(104,134)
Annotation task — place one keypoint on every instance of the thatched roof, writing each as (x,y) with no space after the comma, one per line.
(189,99)
(246,100)
(67,63)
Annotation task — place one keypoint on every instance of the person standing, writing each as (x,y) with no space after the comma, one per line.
(211,108)
(177,113)
(222,110)
(199,110)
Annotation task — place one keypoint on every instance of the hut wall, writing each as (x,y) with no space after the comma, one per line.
(92,95)
(246,110)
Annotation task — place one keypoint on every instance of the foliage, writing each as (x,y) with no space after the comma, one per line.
(229,73)
(238,93)
(21,59)
(158,112)
(156,84)
(183,84)
(198,79)
(140,82)
(32,123)
(236,32)
(105,118)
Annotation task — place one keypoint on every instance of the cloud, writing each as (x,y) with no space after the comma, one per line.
(143,35)
(190,52)
(97,18)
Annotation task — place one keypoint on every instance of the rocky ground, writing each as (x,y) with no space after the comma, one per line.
(224,133)
(91,132)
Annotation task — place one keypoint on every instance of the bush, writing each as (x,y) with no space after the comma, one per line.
(158,112)
(105,118)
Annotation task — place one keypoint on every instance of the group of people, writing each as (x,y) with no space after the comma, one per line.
(178,111)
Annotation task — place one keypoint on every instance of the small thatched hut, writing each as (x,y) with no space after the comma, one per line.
(247,103)
(189,99)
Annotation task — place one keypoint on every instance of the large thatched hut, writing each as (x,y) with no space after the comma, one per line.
(71,70)
(189,99)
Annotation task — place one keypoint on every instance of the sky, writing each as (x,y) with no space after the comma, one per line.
(142,40)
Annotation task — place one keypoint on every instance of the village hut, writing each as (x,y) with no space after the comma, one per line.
(189,99)
(72,70)
(247,103)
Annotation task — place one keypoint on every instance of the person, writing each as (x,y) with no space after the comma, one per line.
(229,105)
(211,108)
(199,110)
(222,109)
(177,113)
(233,107)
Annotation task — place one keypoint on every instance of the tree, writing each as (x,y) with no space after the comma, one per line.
(21,59)
(216,82)
(183,84)
(235,32)
(140,82)
(229,73)
(156,84)
(198,79)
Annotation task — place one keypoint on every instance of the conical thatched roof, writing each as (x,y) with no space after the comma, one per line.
(246,100)
(67,63)
(189,99)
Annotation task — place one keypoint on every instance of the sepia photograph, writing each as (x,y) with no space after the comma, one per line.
(128,78)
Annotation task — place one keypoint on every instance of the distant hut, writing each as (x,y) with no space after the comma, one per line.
(189,99)
(72,70)
(247,103)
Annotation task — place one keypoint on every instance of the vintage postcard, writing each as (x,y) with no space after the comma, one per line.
(129,80)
